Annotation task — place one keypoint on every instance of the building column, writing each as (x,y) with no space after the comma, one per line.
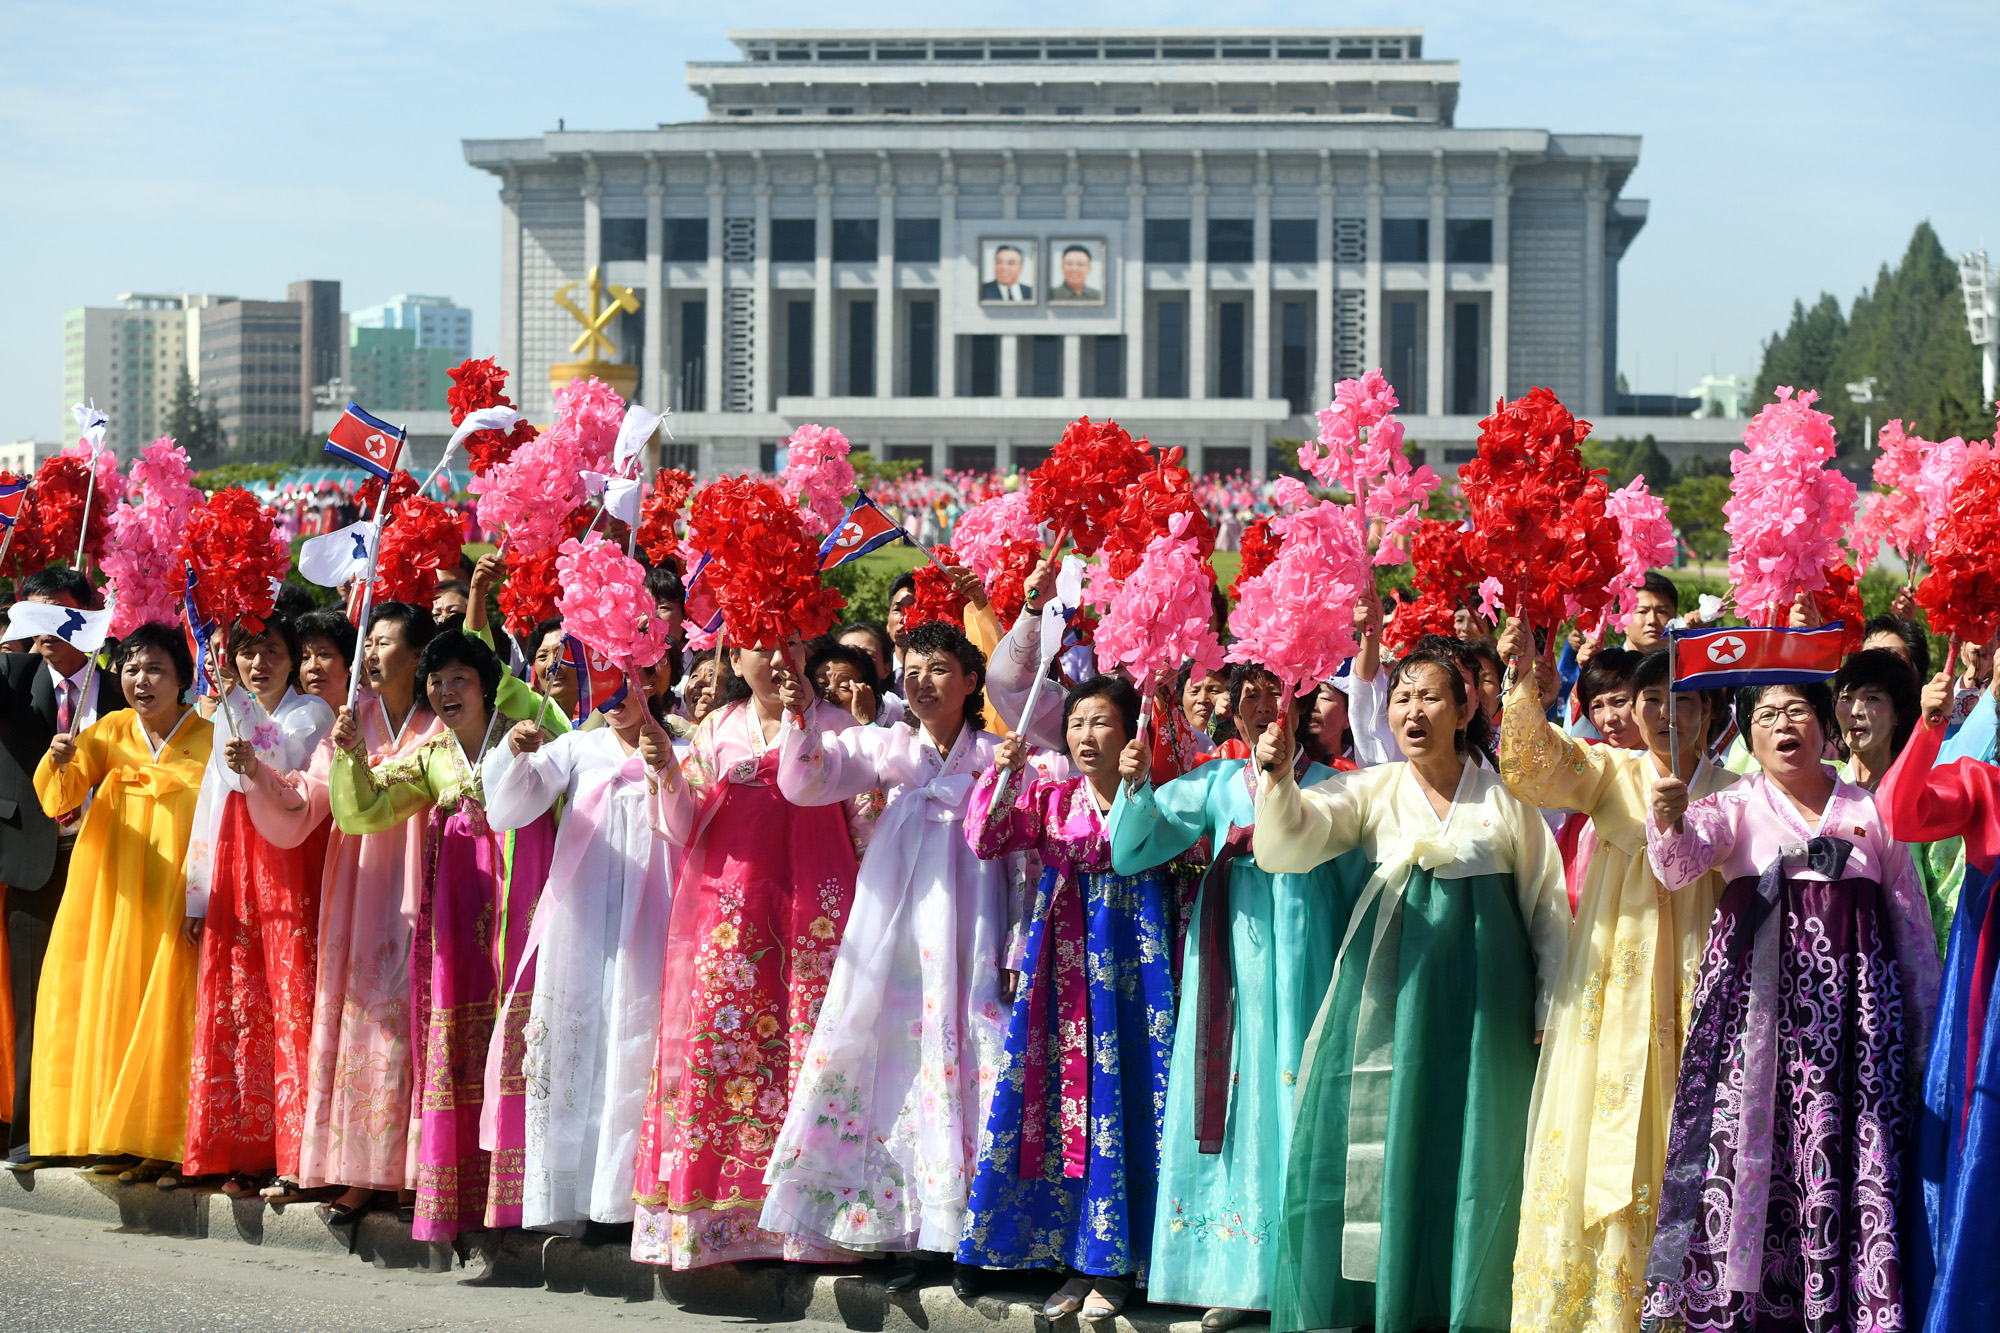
(761,397)
(1371,321)
(1072,366)
(510,284)
(1010,365)
(1135,278)
(593,213)
(822,386)
(1197,322)
(1325,318)
(655,385)
(713,353)
(1010,343)
(1594,198)
(1501,314)
(948,270)
(885,278)
(1434,307)
(1260,271)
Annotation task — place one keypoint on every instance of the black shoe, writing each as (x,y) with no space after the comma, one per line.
(904,1272)
(967,1281)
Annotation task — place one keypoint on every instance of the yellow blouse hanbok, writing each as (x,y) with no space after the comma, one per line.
(114,1028)
(1604,1089)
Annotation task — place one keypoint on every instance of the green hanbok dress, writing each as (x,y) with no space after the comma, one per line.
(1403,1185)
(1220,1201)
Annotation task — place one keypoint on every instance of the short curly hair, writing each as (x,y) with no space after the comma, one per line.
(449,647)
(936,636)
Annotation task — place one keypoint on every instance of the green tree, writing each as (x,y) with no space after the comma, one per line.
(1625,459)
(1695,505)
(195,428)
(1803,355)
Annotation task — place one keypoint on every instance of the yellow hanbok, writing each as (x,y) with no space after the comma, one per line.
(1604,1088)
(114,1026)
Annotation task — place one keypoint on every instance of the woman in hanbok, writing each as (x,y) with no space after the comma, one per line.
(358,1073)
(878,1147)
(1258,956)
(1403,1187)
(114,1024)
(590,972)
(1611,1054)
(1784,1174)
(470,908)
(326,655)
(1950,1279)
(1068,1163)
(253,909)
(760,901)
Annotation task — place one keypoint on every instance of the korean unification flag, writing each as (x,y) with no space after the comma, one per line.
(13,495)
(865,529)
(198,632)
(600,686)
(366,441)
(703,609)
(1714,659)
(84,631)
(333,558)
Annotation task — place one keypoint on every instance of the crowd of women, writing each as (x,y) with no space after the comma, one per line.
(1478,989)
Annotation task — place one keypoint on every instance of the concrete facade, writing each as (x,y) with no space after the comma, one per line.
(126,359)
(1264,212)
(252,364)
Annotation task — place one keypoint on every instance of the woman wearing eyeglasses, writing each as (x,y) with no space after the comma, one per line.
(1810,1024)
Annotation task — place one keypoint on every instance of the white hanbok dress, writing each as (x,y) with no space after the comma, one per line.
(596,943)
(882,1136)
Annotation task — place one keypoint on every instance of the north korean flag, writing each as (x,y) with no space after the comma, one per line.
(1716,659)
(366,441)
(600,686)
(13,495)
(865,529)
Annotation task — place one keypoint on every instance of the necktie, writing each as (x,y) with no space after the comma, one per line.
(65,704)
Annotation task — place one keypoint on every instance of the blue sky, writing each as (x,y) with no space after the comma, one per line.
(1789,147)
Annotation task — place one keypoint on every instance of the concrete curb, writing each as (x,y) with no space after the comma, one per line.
(764,1293)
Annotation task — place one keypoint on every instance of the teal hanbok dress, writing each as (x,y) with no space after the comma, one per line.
(1260,949)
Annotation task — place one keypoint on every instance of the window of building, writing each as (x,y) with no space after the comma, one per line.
(767,458)
(895,111)
(1028,457)
(1224,460)
(1124,110)
(1465,359)
(972,457)
(1468,241)
(799,348)
(1170,356)
(1460,455)
(1013,111)
(686,457)
(1069,111)
(916,240)
(1408,111)
(1294,332)
(1107,379)
(985,356)
(1352,109)
(693,386)
(620,239)
(1229,322)
(1406,240)
(854,240)
(840,111)
(789,111)
(919,454)
(1405,367)
(923,349)
(951,111)
(1186,109)
(1243,111)
(794,240)
(687,240)
(1294,241)
(1230,240)
(739,111)
(1167,241)
(1044,366)
(861,349)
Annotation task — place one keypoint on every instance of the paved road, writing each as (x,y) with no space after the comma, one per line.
(63,1275)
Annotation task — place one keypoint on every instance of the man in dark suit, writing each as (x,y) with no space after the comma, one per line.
(41,692)
(1006,284)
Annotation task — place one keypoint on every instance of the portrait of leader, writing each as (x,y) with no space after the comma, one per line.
(1079,273)
(1007,270)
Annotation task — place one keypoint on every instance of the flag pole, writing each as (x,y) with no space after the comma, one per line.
(367,595)
(1673,713)
(89,490)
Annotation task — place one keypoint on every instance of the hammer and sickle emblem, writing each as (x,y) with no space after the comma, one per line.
(593,336)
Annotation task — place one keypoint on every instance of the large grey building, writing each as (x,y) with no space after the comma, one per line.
(948,243)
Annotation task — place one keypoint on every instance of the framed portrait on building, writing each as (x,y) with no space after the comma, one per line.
(1076,271)
(1007,271)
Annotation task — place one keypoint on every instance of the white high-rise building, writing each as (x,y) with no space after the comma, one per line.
(438,323)
(126,359)
(949,243)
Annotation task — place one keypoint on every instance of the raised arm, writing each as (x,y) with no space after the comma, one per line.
(369,800)
(1299,830)
(1010,676)
(1151,825)
(518,700)
(1683,848)
(820,768)
(1005,814)
(62,789)
(521,787)
(1543,767)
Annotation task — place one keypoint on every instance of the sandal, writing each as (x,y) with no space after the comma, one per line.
(281,1191)
(1067,1300)
(341,1213)
(168,1179)
(113,1166)
(240,1186)
(1223,1317)
(143,1174)
(1107,1297)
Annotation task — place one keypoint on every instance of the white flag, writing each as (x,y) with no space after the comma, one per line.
(90,423)
(633,432)
(84,631)
(334,558)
